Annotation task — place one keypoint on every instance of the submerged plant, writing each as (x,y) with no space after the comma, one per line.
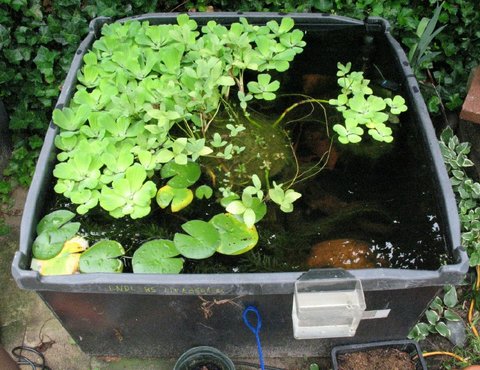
(163,113)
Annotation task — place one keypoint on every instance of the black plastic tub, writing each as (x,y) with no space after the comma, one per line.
(164,315)
(408,346)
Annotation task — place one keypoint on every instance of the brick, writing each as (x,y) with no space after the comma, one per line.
(471,105)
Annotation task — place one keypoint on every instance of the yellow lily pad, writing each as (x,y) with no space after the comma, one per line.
(66,262)
(236,237)
(178,199)
(62,264)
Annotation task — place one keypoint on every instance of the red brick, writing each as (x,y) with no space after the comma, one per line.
(471,105)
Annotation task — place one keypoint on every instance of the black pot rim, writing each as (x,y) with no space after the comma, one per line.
(206,352)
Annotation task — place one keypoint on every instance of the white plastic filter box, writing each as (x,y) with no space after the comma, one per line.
(327,303)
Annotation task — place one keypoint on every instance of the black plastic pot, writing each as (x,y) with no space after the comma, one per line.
(206,356)
(164,315)
(408,346)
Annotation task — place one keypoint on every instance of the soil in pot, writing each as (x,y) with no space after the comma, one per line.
(207,366)
(376,359)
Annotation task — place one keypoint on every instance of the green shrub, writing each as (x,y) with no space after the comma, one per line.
(39,37)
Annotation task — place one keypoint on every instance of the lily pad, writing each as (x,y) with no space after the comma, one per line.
(63,264)
(66,262)
(201,242)
(182,175)
(54,220)
(102,257)
(204,191)
(50,242)
(178,198)
(157,257)
(236,237)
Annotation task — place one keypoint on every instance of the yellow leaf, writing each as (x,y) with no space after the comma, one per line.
(177,198)
(75,245)
(66,262)
(182,198)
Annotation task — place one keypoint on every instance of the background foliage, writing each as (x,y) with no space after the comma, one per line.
(39,37)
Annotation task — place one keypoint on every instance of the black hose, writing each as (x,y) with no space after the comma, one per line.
(22,360)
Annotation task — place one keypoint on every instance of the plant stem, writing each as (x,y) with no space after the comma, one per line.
(205,127)
(293,106)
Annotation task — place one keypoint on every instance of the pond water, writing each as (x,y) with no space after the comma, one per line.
(373,205)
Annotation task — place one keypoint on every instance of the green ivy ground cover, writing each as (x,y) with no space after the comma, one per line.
(39,37)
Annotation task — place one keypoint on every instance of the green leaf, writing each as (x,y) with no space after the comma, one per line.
(323,6)
(452,316)
(156,256)
(256,181)
(201,242)
(286,25)
(110,200)
(236,237)
(249,217)
(432,317)
(204,191)
(71,119)
(164,156)
(182,175)
(54,220)
(102,257)
(264,79)
(50,242)
(268,96)
(437,305)
(450,298)
(442,329)
(423,328)
(283,198)
(44,61)
(135,176)
(171,56)
(236,207)
(226,81)
(291,196)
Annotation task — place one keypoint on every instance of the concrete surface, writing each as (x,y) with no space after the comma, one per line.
(26,320)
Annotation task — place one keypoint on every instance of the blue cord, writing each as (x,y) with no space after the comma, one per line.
(255,330)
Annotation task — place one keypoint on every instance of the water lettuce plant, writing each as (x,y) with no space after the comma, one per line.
(163,114)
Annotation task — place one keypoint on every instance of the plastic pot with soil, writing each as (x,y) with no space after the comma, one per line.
(204,358)
(388,355)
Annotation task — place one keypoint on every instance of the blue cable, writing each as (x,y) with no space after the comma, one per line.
(255,330)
